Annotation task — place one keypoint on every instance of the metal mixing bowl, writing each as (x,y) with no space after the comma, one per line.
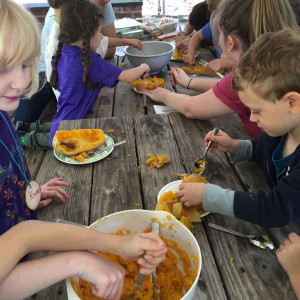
(156,54)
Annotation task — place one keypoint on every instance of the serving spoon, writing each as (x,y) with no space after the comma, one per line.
(140,277)
(199,164)
(259,240)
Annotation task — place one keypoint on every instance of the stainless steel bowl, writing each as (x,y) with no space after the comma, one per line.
(156,54)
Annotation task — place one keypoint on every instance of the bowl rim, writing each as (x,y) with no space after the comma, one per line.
(147,56)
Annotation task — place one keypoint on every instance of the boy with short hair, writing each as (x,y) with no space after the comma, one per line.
(267,81)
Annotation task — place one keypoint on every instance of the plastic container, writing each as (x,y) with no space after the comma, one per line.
(137,221)
(157,27)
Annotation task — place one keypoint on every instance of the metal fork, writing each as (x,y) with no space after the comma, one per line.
(203,63)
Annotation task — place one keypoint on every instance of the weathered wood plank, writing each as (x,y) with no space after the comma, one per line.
(74,209)
(104,104)
(116,185)
(154,135)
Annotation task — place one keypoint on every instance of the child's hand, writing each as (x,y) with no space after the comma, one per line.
(213,66)
(222,142)
(178,76)
(180,38)
(191,193)
(136,44)
(183,46)
(51,189)
(288,254)
(157,95)
(146,69)
(147,248)
(106,277)
(189,59)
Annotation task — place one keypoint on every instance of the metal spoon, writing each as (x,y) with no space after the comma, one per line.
(259,240)
(199,164)
(140,277)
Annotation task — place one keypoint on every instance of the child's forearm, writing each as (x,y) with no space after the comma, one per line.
(131,75)
(195,42)
(295,282)
(202,85)
(30,277)
(114,42)
(35,235)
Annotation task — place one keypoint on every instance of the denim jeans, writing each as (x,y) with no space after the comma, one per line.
(30,110)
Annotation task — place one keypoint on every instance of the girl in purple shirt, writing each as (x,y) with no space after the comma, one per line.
(79,73)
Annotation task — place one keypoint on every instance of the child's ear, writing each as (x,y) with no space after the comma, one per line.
(232,42)
(293,101)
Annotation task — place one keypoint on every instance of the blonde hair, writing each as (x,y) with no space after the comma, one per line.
(248,19)
(19,40)
(271,65)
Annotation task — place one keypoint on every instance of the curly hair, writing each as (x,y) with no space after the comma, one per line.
(80,20)
(271,65)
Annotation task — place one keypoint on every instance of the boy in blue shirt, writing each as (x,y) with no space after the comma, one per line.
(267,81)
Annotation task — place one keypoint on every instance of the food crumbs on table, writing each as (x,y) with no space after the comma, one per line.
(191,155)
(215,173)
(105,218)
(129,155)
(149,154)
(231,259)
(99,220)
(117,170)
(122,131)
(109,158)
(122,214)
(111,130)
(158,161)
(183,163)
(108,201)
(123,201)
(122,65)
(137,204)
(231,241)
(139,169)
(113,191)
(171,227)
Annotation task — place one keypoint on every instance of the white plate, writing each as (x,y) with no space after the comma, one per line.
(174,187)
(136,90)
(98,155)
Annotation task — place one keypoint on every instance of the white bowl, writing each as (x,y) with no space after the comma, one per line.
(174,187)
(137,221)
(156,54)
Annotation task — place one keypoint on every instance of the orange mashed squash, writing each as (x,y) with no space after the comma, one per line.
(186,215)
(148,83)
(173,284)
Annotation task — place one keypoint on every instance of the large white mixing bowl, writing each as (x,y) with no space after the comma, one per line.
(137,221)
(156,54)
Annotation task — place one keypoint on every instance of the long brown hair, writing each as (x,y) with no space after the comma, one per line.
(248,19)
(80,20)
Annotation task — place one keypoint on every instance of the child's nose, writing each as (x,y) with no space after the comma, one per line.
(253,118)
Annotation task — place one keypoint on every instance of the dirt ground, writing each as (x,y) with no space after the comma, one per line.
(173,7)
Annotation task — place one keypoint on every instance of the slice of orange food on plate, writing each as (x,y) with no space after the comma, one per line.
(199,70)
(73,142)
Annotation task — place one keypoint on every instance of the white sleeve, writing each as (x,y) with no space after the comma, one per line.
(102,48)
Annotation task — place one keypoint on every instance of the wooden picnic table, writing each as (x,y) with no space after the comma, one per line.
(232,268)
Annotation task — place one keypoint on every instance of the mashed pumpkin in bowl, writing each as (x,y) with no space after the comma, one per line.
(177,275)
